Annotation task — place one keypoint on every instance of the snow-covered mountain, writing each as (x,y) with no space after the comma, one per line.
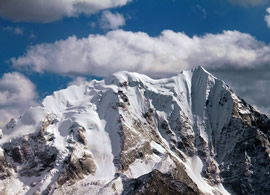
(130,134)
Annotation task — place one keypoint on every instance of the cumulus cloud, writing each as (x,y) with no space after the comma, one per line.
(16,94)
(267,17)
(14,30)
(110,20)
(50,10)
(249,2)
(101,55)
(77,81)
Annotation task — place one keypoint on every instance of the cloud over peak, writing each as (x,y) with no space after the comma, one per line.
(52,10)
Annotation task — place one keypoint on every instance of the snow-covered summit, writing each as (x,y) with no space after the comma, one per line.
(105,137)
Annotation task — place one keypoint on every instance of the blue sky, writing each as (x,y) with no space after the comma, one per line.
(47,45)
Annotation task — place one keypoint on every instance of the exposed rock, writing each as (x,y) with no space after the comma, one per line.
(245,168)
(155,183)
(30,155)
(180,174)
(130,148)
(17,155)
(81,137)
(11,124)
(5,170)
(123,97)
(76,167)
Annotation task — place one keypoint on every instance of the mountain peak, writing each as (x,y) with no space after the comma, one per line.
(200,68)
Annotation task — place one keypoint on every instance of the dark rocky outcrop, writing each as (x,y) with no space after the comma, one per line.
(76,167)
(157,183)
(245,168)
(5,169)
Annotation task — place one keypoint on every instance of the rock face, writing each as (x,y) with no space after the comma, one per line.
(156,182)
(245,169)
(130,134)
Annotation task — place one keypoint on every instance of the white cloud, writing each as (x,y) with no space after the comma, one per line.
(78,81)
(14,30)
(249,2)
(51,10)
(110,20)
(164,55)
(267,17)
(16,94)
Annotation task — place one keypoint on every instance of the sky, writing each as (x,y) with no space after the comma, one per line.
(47,45)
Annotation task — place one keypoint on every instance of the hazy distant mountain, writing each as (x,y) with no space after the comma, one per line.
(130,134)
